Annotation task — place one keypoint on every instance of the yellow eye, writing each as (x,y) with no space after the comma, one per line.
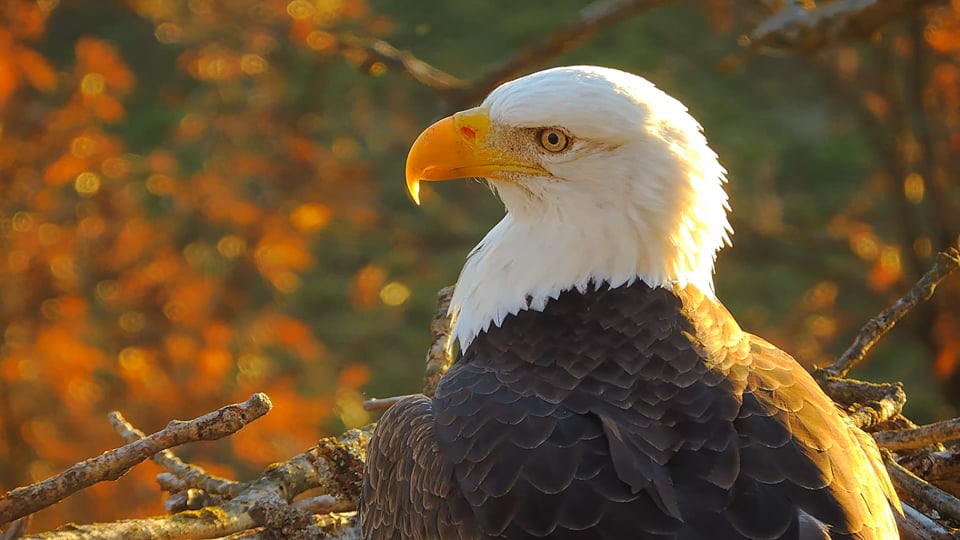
(553,140)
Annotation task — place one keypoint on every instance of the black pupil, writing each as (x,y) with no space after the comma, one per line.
(553,138)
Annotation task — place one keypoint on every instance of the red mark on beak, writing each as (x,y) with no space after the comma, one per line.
(469,133)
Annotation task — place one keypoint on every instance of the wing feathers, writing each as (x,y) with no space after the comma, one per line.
(624,413)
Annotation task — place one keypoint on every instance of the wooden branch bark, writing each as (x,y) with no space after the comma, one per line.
(440,353)
(335,466)
(905,439)
(799,27)
(115,463)
(915,524)
(918,488)
(947,262)
(377,50)
(182,475)
(16,529)
(382,404)
(935,466)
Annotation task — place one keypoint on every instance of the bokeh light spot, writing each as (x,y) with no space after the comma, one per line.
(93,84)
(394,293)
(231,246)
(321,41)
(377,69)
(253,64)
(87,184)
(22,221)
(300,9)
(913,188)
(132,322)
(132,359)
(310,217)
(82,147)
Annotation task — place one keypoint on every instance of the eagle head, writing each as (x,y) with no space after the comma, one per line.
(605,179)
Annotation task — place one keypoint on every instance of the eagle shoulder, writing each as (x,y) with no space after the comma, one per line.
(793,434)
(408,490)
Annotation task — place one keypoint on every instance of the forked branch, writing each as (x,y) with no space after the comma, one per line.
(947,262)
(115,463)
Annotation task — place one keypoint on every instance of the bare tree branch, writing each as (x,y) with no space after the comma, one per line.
(182,475)
(377,50)
(324,504)
(382,404)
(919,437)
(333,526)
(872,404)
(439,355)
(115,463)
(335,466)
(934,466)
(16,529)
(918,525)
(802,28)
(921,490)
(592,19)
(947,262)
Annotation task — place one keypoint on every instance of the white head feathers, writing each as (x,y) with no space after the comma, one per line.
(638,195)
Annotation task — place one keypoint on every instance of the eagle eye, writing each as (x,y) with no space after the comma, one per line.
(553,140)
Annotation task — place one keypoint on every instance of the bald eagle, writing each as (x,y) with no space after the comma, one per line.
(601,391)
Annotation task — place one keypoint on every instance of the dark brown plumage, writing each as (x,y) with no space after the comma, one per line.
(632,412)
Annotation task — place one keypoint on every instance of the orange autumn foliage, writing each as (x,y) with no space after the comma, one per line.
(153,274)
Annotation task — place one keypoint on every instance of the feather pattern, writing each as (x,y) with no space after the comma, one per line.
(628,412)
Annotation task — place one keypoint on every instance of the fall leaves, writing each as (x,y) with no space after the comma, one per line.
(154,240)
(21,64)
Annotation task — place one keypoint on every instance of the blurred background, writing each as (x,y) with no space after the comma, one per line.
(200,200)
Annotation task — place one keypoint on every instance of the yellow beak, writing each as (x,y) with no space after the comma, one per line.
(459,147)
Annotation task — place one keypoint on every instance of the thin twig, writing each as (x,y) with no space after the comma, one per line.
(334,466)
(872,404)
(332,526)
(382,404)
(800,28)
(903,439)
(947,262)
(115,463)
(187,475)
(918,525)
(935,466)
(16,529)
(592,19)
(440,353)
(324,504)
(920,489)
(379,51)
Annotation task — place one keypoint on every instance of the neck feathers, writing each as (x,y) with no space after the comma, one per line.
(523,264)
